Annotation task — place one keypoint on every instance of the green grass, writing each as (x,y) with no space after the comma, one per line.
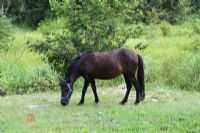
(162,111)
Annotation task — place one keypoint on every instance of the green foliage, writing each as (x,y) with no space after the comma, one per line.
(169,10)
(13,9)
(29,11)
(165,28)
(85,25)
(36,10)
(5,33)
(194,6)
(15,77)
(57,47)
(188,75)
(49,26)
(136,31)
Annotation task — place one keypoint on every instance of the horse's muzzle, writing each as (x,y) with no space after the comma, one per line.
(64,102)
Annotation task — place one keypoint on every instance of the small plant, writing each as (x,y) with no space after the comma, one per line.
(165,28)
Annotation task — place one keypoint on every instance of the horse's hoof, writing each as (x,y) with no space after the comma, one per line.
(96,101)
(79,104)
(142,98)
(136,102)
(122,103)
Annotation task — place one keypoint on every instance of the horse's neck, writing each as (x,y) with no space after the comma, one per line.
(73,77)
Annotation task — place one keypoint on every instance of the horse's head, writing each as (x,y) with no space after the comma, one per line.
(66,92)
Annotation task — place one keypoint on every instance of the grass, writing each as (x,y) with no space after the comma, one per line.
(163,110)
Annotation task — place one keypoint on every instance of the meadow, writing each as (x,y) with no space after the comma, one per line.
(163,110)
(172,67)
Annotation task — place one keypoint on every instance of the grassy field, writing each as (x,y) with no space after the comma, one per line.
(167,107)
(163,110)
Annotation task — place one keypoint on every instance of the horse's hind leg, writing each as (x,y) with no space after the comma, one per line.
(83,92)
(94,91)
(136,85)
(128,86)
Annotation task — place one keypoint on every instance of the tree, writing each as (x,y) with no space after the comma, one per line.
(90,25)
(30,11)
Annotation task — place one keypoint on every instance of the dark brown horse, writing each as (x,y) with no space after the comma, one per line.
(105,65)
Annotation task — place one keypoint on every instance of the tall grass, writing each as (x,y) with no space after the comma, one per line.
(22,71)
(18,78)
(188,75)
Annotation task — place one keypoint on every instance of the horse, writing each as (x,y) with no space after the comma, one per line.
(104,65)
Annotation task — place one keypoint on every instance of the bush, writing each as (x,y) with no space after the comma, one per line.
(165,28)
(136,31)
(16,78)
(5,33)
(50,26)
(57,48)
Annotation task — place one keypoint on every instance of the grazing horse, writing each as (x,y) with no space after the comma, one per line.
(104,65)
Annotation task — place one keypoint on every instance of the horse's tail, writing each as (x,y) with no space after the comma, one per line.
(140,76)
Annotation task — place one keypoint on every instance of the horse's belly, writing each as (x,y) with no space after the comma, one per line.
(105,74)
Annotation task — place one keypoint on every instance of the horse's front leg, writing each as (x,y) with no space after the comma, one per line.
(128,87)
(94,91)
(83,92)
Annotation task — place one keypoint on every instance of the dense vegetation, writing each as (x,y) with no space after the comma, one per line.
(166,33)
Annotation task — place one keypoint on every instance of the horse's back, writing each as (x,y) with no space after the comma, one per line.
(106,65)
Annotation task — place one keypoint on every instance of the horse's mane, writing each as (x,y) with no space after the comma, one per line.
(74,62)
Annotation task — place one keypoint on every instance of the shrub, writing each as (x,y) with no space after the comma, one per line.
(49,26)
(17,78)
(165,28)
(57,48)
(136,31)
